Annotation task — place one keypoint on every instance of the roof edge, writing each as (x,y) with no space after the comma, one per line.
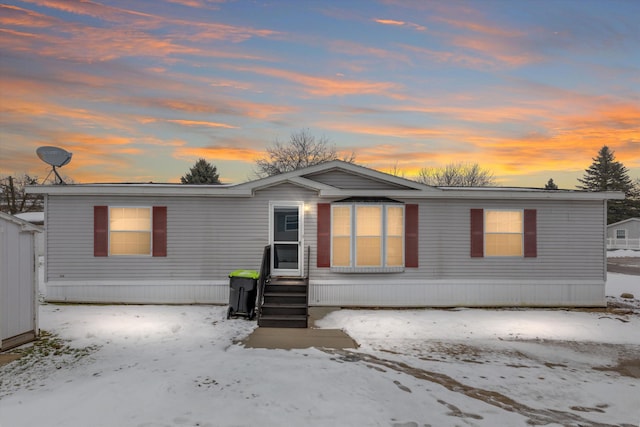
(25,225)
(623,221)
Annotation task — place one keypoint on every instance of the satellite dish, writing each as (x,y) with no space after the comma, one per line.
(56,157)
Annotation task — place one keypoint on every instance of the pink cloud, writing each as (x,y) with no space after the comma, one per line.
(323,86)
(199,123)
(390,22)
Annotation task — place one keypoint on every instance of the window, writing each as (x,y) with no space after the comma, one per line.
(506,232)
(394,237)
(366,236)
(368,227)
(341,232)
(129,231)
(291,222)
(503,233)
(621,234)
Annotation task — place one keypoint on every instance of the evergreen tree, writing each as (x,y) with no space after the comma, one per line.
(202,172)
(606,174)
(551,185)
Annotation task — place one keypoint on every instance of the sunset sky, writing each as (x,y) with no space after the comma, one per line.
(139,90)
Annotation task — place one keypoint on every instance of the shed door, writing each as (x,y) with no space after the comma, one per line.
(17,290)
(286,238)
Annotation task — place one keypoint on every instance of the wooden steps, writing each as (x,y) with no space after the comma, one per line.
(285,303)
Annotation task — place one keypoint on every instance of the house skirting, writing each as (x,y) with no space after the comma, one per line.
(140,291)
(351,293)
(460,293)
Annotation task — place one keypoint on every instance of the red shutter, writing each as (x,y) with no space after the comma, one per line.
(530,233)
(159,238)
(477,233)
(411,236)
(324,235)
(100,231)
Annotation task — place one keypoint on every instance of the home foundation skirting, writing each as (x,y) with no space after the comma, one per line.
(139,292)
(351,293)
(461,293)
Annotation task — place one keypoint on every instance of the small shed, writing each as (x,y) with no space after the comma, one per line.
(624,234)
(18,282)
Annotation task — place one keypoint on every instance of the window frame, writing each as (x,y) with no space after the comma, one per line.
(353,266)
(521,233)
(110,231)
(624,231)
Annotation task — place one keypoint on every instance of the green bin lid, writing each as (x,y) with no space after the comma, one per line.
(249,274)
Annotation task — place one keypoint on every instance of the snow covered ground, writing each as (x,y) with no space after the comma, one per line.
(622,253)
(152,366)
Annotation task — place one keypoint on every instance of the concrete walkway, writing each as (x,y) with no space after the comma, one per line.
(289,338)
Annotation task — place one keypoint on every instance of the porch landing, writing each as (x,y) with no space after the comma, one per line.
(290,338)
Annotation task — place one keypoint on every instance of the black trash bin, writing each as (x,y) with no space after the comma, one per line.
(243,287)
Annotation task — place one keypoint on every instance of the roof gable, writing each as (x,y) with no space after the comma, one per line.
(349,181)
(624,221)
(341,175)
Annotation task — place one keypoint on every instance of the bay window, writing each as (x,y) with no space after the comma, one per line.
(367,236)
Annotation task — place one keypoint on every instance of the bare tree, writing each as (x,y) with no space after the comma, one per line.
(302,150)
(456,175)
(395,170)
(13,197)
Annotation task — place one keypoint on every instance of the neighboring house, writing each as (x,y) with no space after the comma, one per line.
(624,234)
(18,282)
(362,237)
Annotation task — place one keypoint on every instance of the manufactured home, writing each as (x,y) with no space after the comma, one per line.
(355,237)
(624,234)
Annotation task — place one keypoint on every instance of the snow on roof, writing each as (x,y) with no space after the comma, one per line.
(25,225)
(32,217)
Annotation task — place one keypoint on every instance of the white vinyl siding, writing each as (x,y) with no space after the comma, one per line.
(349,181)
(207,239)
(212,236)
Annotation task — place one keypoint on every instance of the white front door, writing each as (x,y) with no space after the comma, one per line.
(286,238)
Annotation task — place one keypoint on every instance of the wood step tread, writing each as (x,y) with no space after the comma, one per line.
(284,294)
(283,317)
(287,282)
(286,285)
(284,305)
